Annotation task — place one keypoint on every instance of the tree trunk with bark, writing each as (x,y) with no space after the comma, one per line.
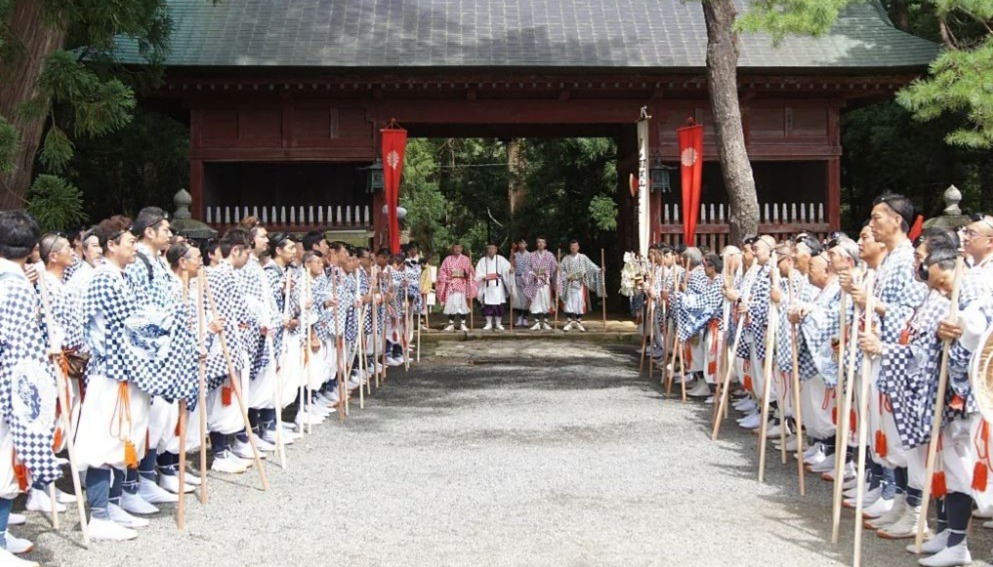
(32,38)
(722,82)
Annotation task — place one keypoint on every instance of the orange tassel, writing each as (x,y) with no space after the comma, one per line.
(853,422)
(130,455)
(980,476)
(748,383)
(57,442)
(881,446)
(226,395)
(176,431)
(939,488)
(21,474)
(712,367)
(834,415)
(957,403)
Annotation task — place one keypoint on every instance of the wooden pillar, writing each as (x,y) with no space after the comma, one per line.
(196,189)
(627,163)
(833,195)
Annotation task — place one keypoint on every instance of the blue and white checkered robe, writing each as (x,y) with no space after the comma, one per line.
(412,275)
(784,334)
(912,380)
(187,366)
(897,287)
(758,313)
(817,333)
(157,294)
(108,303)
(28,390)
(276,279)
(253,285)
(230,306)
(698,305)
(365,284)
(66,313)
(350,293)
(323,317)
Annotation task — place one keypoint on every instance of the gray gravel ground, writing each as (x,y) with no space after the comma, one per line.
(490,455)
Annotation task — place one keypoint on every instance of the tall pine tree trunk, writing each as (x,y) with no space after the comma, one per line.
(32,40)
(722,81)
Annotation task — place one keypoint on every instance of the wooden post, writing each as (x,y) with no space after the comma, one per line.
(62,384)
(939,409)
(863,414)
(729,370)
(603,287)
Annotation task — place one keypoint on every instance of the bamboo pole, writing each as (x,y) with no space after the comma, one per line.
(939,409)
(553,289)
(62,383)
(181,504)
(863,415)
(842,408)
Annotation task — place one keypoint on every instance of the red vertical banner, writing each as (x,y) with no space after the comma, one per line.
(691,168)
(394,142)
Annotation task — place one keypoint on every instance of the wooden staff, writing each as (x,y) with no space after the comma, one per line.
(645,332)
(842,407)
(202,377)
(424,312)
(797,410)
(679,347)
(939,408)
(339,346)
(472,299)
(405,340)
(236,387)
(360,345)
(308,354)
(181,505)
(553,290)
(603,287)
(62,384)
(770,345)
(863,419)
(729,370)
(280,445)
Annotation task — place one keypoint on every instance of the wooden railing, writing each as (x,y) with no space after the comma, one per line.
(296,218)
(781,220)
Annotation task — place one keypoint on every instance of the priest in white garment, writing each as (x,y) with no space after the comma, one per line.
(495,279)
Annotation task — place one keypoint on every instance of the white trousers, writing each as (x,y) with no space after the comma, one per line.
(103,426)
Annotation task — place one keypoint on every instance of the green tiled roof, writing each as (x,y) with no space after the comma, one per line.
(602,34)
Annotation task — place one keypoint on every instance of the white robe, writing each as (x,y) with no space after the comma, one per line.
(495,280)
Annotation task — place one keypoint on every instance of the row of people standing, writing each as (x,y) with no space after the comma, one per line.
(534,284)
(813,328)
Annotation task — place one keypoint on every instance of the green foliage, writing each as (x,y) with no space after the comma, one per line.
(780,18)
(961,81)
(8,145)
(82,91)
(55,203)
(603,212)
(56,151)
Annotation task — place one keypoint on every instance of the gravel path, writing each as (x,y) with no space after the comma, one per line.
(492,456)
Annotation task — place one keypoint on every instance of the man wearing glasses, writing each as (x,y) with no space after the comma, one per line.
(977,243)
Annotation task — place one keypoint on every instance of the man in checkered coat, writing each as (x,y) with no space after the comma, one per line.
(693,309)
(897,294)
(150,280)
(27,382)
(113,421)
(754,309)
